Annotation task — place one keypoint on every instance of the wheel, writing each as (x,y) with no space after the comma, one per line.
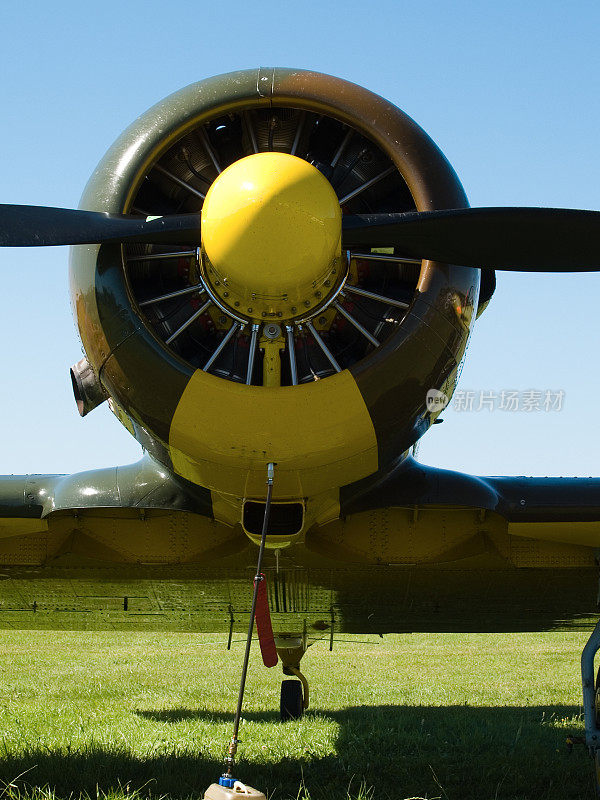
(291,704)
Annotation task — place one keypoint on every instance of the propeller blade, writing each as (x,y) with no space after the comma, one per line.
(518,239)
(39,226)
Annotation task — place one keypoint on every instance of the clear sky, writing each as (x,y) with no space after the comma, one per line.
(509,90)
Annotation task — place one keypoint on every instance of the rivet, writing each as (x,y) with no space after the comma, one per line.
(264,313)
(322,320)
(279,314)
(318,295)
(236,304)
(222,319)
(307,303)
(217,283)
(327,283)
(249,310)
(225,294)
(293,309)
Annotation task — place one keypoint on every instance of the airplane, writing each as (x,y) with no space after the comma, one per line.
(275,274)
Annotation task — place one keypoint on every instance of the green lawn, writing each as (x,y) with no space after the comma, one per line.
(453,716)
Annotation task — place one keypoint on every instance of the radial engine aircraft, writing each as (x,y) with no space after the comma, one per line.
(278,266)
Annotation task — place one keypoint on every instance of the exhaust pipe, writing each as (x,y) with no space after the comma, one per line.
(87,388)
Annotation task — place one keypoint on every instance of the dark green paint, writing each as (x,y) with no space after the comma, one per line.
(144,485)
(515,499)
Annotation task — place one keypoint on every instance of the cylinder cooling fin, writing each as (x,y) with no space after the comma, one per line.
(326,377)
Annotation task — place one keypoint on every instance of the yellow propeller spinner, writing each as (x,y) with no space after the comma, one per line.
(271,238)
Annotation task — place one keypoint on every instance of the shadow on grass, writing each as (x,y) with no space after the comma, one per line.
(453,752)
(182,714)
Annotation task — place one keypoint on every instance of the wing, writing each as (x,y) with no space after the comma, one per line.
(461,552)
(552,509)
(120,547)
(423,549)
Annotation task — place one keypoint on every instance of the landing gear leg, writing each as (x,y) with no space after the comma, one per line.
(294,693)
(591,701)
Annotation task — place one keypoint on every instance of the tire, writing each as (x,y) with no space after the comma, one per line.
(291,704)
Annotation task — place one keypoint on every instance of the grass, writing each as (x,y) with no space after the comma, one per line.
(453,716)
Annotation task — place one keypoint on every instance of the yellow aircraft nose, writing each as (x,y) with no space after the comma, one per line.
(271,237)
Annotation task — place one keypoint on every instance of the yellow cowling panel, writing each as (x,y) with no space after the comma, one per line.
(117,535)
(459,537)
(320,435)
(585,533)
(19,526)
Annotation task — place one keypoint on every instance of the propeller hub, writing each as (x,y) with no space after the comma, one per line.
(271,237)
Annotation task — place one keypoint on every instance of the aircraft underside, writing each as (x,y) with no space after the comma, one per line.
(309,596)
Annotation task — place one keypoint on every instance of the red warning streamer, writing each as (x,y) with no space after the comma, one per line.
(264,626)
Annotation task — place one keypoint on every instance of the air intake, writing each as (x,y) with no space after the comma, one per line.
(286,519)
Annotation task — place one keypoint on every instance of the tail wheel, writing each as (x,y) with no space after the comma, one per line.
(291,704)
(177,303)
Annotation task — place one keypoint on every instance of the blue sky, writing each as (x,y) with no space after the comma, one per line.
(510,92)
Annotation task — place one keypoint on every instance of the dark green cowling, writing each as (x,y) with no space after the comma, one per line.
(144,485)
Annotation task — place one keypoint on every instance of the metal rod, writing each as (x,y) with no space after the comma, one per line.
(592,734)
(373,296)
(159,256)
(186,324)
(252,354)
(179,181)
(179,293)
(366,185)
(323,347)
(384,257)
(229,761)
(250,129)
(298,133)
(331,630)
(222,344)
(231,624)
(289,330)
(382,322)
(209,150)
(341,148)
(356,324)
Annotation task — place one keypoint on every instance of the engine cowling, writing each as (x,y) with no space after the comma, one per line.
(325,373)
